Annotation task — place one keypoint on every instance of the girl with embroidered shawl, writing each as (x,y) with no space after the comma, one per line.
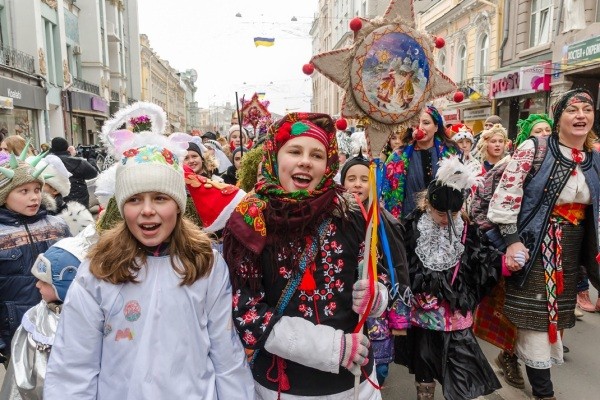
(410,168)
(294,248)
(450,271)
(550,215)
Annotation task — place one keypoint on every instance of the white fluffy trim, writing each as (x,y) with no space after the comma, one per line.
(77,217)
(224,215)
(453,173)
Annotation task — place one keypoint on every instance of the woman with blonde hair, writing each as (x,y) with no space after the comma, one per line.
(492,146)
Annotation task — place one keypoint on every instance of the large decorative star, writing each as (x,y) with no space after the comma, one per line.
(388,73)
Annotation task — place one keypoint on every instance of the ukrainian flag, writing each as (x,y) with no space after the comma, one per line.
(261,41)
(473,94)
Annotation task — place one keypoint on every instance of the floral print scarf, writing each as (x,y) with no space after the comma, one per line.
(396,171)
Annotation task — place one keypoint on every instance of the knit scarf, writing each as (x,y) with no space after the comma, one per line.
(396,170)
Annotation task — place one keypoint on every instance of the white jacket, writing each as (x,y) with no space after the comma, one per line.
(149,340)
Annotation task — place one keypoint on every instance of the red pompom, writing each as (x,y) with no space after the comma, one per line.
(308,283)
(308,69)
(459,96)
(552,332)
(439,42)
(418,134)
(560,282)
(341,124)
(355,24)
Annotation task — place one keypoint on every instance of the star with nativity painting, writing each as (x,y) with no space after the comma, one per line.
(388,73)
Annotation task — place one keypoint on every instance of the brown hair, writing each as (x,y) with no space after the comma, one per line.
(190,253)
(15,144)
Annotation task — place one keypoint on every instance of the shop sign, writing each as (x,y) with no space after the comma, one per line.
(476,113)
(451,116)
(585,51)
(22,94)
(524,80)
(6,103)
(99,104)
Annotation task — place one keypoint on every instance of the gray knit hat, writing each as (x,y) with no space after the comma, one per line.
(17,172)
(149,168)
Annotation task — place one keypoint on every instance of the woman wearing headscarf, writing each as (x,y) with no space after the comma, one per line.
(548,218)
(411,167)
(294,249)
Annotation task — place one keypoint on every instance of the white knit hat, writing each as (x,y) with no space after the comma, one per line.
(58,176)
(149,168)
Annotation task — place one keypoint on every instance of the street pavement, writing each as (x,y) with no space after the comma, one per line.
(577,379)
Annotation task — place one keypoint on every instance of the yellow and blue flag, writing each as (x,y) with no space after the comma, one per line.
(261,41)
(473,94)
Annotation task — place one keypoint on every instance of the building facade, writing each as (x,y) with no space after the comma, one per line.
(162,85)
(470,29)
(548,47)
(68,62)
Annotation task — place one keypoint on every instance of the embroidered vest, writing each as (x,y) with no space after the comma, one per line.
(541,195)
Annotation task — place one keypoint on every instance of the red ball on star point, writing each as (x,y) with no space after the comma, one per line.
(308,69)
(439,42)
(355,24)
(341,124)
(458,96)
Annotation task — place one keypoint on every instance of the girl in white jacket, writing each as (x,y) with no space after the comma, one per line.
(149,313)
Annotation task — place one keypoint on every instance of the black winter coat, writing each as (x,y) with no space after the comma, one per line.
(81,171)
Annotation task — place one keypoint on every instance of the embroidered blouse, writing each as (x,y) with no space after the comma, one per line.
(505,204)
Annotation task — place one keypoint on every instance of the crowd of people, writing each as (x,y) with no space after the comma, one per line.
(243,267)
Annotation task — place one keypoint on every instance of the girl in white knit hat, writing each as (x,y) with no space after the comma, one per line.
(149,314)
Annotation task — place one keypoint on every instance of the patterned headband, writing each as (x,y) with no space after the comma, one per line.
(435,115)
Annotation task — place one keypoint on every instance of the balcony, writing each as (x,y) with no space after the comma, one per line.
(477,84)
(112,32)
(17,59)
(86,86)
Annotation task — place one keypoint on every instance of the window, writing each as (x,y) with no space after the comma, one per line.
(462,64)
(540,22)
(441,64)
(483,54)
(53,58)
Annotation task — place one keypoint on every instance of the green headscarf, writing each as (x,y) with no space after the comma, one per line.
(526,125)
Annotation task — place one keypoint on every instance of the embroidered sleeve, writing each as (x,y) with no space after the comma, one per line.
(252,316)
(505,204)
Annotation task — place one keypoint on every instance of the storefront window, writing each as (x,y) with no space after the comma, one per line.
(20,122)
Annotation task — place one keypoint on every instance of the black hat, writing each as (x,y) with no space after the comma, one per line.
(445,198)
(194,147)
(209,135)
(59,144)
(360,159)
(448,191)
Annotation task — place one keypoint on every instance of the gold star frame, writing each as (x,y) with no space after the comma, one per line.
(389,73)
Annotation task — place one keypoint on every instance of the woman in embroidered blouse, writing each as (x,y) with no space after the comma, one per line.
(450,271)
(294,249)
(492,146)
(549,221)
(410,168)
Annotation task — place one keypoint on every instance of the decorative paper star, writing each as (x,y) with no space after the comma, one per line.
(388,73)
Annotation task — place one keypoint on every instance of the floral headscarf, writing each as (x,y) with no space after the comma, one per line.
(288,216)
(291,126)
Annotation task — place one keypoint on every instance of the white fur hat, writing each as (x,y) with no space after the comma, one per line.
(59,176)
